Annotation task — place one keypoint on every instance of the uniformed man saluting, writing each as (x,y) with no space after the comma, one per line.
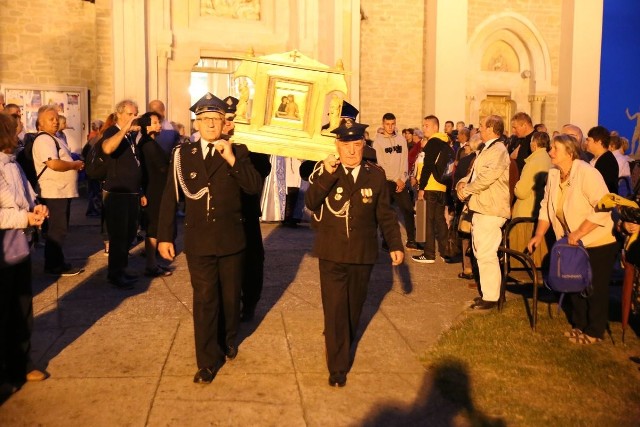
(212,173)
(350,199)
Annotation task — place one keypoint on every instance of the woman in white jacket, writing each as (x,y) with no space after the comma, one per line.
(569,205)
(18,210)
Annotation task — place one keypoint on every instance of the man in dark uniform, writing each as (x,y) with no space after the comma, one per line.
(350,199)
(253,277)
(212,173)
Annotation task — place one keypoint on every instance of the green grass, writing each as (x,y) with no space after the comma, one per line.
(501,373)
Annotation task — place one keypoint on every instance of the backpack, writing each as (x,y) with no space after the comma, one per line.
(25,159)
(96,163)
(569,269)
(442,170)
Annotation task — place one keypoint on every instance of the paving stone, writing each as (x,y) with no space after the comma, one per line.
(127,357)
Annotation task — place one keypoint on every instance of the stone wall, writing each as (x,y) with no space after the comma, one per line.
(63,43)
(392,62)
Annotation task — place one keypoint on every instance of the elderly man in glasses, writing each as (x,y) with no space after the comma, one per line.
(213,174)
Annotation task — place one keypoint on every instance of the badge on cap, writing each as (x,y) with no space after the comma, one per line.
(209,103)
(353,132)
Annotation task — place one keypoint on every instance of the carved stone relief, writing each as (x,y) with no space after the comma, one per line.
(234,9)
(500,57)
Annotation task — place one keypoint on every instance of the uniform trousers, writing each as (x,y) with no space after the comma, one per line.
(253,278)
(216,283)
(403,200)
(58,225)
(344,290)
(121,218)
(486,235)
(16,321)
(591,314)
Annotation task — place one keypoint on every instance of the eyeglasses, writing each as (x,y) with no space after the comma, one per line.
(210,120)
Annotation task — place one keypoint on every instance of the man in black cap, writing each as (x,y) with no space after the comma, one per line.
(348,114)
(350,199)
(212,173)
(253,277)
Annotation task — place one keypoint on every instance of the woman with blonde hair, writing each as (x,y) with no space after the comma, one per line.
(573,190)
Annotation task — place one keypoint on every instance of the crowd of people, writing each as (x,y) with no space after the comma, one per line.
(555,180)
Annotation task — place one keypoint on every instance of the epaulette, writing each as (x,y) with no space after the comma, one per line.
(369,164)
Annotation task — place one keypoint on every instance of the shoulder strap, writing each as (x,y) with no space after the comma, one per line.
(55,141)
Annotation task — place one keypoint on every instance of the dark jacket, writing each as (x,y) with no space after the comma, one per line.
(218,230)
(436,149)
(607,165)
(352,238)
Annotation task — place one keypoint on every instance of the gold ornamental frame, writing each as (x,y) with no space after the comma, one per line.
(292,127)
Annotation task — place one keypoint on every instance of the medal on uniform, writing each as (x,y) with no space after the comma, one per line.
(367,193)
(193,175)
(194,150)
(338,195)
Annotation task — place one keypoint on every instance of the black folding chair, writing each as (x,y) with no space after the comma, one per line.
(525,259)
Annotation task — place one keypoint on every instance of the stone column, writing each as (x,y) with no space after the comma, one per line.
(445,66)
(129,52)
(467,109)
(579,77)
(536,108)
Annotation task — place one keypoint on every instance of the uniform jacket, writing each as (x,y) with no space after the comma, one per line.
(586,188)
(352,238)
(489,189)
(213,223)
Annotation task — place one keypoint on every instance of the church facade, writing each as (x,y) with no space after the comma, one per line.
(459,60)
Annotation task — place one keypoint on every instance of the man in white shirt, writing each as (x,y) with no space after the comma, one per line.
(58,181)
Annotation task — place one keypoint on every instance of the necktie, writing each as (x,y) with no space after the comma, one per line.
(350,173)
(208,160)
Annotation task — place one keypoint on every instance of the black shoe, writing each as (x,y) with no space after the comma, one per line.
(466,276)
(248,313)
(231,352)
(338,379)
(206,375)
(451,259)
(64,270)
(130,277)
(120,282)
(411,244)
(484,305)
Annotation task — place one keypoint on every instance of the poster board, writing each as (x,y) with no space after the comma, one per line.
(71,101)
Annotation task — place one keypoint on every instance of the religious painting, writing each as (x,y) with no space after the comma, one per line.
(289,104)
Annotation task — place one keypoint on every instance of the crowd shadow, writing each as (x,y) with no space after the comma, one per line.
(444,399)
(79,308)
(285,248)
(383,277)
